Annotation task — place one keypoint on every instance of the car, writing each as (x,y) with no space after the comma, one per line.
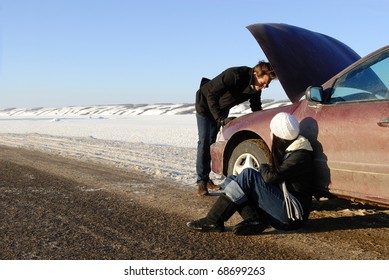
(342,103)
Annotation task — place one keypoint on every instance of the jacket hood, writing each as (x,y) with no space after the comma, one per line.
(301,58)
(301,143)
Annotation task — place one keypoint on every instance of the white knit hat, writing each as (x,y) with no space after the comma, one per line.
(285,126)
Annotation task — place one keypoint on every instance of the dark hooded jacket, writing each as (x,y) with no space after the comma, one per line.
(297,172)
(235,85)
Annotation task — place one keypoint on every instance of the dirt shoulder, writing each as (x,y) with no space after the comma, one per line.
(58,208)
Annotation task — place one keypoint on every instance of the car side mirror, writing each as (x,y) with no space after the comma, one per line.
(314,93)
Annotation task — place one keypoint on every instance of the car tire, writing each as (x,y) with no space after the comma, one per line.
(248,154)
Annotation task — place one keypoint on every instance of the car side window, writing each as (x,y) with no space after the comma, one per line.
(369,81)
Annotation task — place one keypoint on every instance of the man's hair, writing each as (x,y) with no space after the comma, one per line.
(264,68)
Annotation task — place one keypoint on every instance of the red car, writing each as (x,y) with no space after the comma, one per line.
(345,113)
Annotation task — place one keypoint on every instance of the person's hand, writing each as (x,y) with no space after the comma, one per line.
(224,121)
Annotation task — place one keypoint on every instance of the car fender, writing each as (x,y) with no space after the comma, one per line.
(244,128)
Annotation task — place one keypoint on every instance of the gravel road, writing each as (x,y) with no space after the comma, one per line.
(54,207)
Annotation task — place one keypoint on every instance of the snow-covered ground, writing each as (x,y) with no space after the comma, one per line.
(159,140)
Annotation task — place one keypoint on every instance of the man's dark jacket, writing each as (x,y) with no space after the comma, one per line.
(216,97)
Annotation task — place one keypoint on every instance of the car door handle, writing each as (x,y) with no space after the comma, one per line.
(384,122)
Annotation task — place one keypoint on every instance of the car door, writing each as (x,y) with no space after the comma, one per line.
(353,130)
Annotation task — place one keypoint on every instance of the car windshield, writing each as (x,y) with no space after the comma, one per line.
(369,81)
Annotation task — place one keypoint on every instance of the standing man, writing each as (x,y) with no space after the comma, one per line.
(214,100)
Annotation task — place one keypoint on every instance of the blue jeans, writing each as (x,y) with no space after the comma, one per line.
(249,186)
(207,132)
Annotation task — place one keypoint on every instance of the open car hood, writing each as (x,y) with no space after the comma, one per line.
(301,58)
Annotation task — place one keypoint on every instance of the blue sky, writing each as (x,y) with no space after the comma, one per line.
(56,53)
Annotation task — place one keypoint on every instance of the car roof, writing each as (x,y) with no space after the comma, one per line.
(300,57)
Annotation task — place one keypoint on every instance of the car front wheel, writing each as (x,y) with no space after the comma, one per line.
(248,154)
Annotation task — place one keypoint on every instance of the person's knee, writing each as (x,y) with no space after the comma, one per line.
(248,172)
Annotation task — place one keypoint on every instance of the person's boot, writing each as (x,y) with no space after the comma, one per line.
(202,189)
(211,186)
(251,224)
(220,212)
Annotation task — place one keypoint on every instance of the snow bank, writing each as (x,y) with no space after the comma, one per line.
(161,146)
(159,140)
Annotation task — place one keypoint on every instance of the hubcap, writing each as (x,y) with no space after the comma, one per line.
(245,161)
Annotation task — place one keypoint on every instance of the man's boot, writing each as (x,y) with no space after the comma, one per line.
(220,212)
(203,187)
(251,224)
(211,185)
